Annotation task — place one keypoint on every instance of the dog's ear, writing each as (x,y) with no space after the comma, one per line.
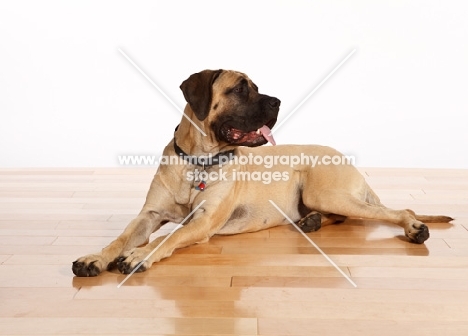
(198,89)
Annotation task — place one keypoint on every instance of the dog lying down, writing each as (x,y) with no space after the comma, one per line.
(226,121)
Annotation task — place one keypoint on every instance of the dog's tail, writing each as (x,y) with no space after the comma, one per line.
(434,219)
(431,219)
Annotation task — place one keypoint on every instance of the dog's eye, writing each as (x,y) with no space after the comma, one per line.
(239,89)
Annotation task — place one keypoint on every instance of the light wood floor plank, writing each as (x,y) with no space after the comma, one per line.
(36,194)
(134,326)
(363,283)
(28,225)
(165,307)
(313,326)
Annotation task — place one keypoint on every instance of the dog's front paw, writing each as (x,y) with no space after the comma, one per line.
(417,232)
(134,259)
(89,266)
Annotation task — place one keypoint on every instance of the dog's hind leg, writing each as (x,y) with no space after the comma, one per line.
(346,204)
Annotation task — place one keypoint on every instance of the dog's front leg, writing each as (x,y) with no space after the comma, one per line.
(206,221)
(159,208)
(135,234)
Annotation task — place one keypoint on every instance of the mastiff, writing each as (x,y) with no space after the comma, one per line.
(217,178)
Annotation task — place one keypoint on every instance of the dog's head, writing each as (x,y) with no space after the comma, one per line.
(228,104)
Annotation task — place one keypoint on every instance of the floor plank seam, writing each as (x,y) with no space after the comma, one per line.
(53,241)
(76,293)
(57,225)
(8,258)
(445,241)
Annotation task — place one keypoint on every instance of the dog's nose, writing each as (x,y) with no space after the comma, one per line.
(274,102)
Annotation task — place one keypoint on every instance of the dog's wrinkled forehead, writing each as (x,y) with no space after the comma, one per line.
(229,79)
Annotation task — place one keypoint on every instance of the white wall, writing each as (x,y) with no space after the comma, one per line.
(69,98)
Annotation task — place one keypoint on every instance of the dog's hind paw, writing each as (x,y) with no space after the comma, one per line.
(418,233)
(311,223)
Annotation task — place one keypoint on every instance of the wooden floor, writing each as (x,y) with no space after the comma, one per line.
(268,283)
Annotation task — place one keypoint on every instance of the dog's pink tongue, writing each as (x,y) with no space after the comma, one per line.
(266,132)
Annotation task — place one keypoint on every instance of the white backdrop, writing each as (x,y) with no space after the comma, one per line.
(69,98)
